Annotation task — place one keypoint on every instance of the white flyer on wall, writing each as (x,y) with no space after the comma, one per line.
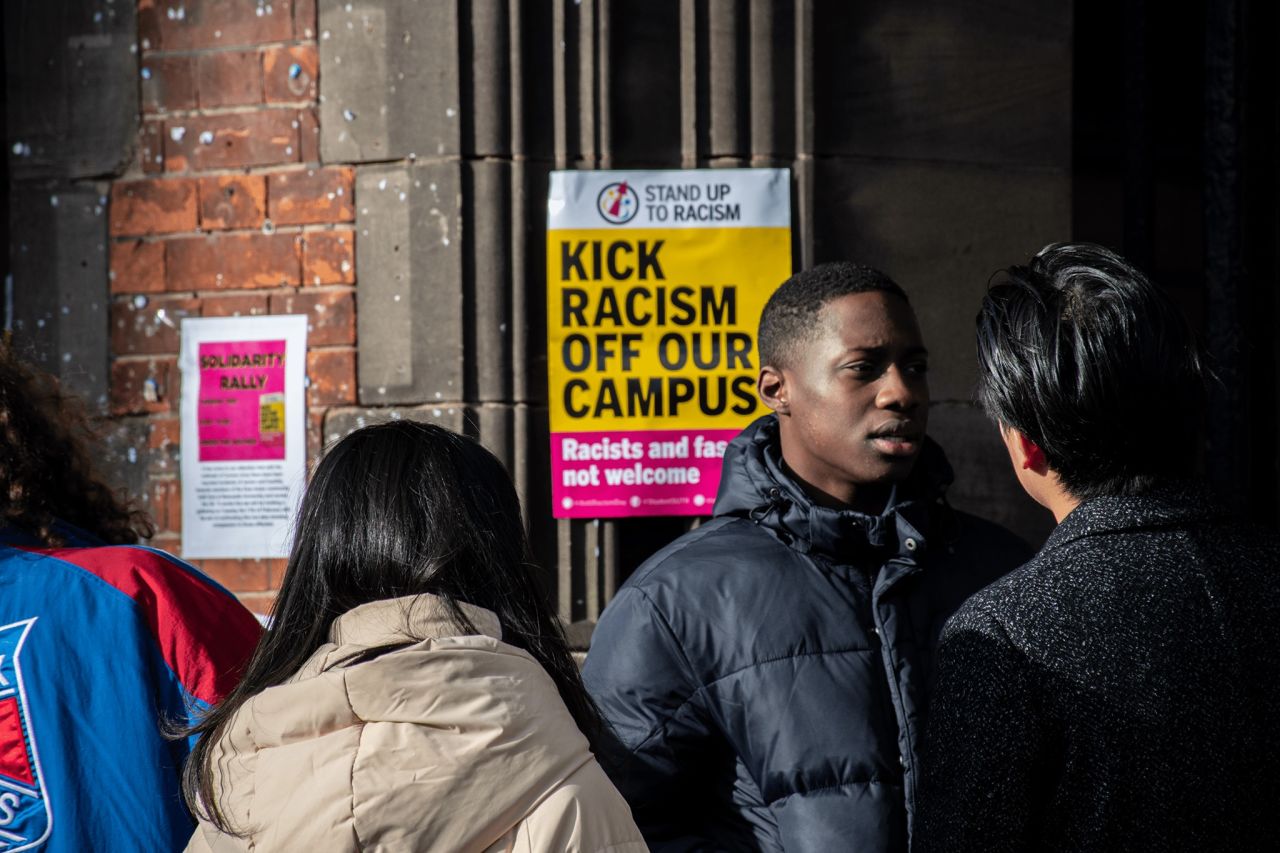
(244,451)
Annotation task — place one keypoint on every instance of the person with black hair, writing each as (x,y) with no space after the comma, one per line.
(415,690)
(766,674)
(1120,691)
(104,643)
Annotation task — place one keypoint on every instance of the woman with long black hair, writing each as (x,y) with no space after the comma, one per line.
(415,691)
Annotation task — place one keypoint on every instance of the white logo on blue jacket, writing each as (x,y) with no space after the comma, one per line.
(25,817)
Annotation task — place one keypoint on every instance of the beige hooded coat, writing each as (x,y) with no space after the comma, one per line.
(450,743)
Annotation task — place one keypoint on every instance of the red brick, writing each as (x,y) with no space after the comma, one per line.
(233,201)
(230,78)
(151,147)
(304,19)
(329,257)
(148,25)
(331,314)
(235,305)
(130,381)
(164,463)
(222,23)
(231,141)
(170,543)
(149,326)
(163,433)
(168,83)
(289,73)
(310,196)
(315,434)
(308,136)
(239,575)
(153,206)
(137,266)
(232,261)
(277,565)
(165,504)
(332,375)
(259,603)
(173,387)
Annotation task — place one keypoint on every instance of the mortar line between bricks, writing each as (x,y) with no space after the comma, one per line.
(265,169)
(241,109)
(132,358)
(416,159)
(282,290)
(332,347)
(234,109)
(257,169)
(282,230)
(161,53)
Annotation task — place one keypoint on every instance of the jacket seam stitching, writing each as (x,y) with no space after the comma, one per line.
(638,580)
(703,688)
(826,788)
(355,827)
(671,634)
(786,657)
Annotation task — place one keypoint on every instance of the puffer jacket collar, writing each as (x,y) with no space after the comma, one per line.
(755,486)
(397,622)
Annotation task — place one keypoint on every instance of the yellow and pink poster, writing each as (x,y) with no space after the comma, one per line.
(655,284)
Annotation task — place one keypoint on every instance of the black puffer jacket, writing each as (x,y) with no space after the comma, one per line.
(766,673)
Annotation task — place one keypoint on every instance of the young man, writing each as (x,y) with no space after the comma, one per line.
(766,673)
(1122,690)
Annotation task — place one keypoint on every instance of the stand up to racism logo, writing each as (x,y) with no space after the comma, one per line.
(618,203)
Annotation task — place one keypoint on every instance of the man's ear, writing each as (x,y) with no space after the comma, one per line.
(772,387)
(1026,453)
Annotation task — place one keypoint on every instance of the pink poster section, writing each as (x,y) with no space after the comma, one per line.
(240,414)
(613,474)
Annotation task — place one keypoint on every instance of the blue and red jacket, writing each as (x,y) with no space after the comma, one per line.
(99,647)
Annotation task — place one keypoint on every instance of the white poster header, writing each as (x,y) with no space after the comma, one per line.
(701,198)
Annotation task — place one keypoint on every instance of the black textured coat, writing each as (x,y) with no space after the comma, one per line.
(766,673)
(1119,692)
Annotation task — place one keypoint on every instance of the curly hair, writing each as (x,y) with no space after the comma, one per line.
(45,471)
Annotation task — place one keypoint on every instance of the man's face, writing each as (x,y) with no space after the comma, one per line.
(854,400)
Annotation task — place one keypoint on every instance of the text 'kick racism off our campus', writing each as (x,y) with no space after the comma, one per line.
(655,284)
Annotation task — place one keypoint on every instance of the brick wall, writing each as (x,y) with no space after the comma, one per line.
(462,109)
(227,211)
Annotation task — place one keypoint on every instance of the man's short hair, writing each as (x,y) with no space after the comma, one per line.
(791,314)
(1080,353)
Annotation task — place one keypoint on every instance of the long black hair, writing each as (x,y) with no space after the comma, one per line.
(1083,355)
(399,509)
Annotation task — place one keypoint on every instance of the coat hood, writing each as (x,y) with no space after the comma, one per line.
(398,734)
(755,486)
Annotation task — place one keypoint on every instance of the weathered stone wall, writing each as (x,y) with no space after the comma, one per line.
(406,147)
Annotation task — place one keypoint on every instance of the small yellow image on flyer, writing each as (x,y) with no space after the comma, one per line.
(271,416)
